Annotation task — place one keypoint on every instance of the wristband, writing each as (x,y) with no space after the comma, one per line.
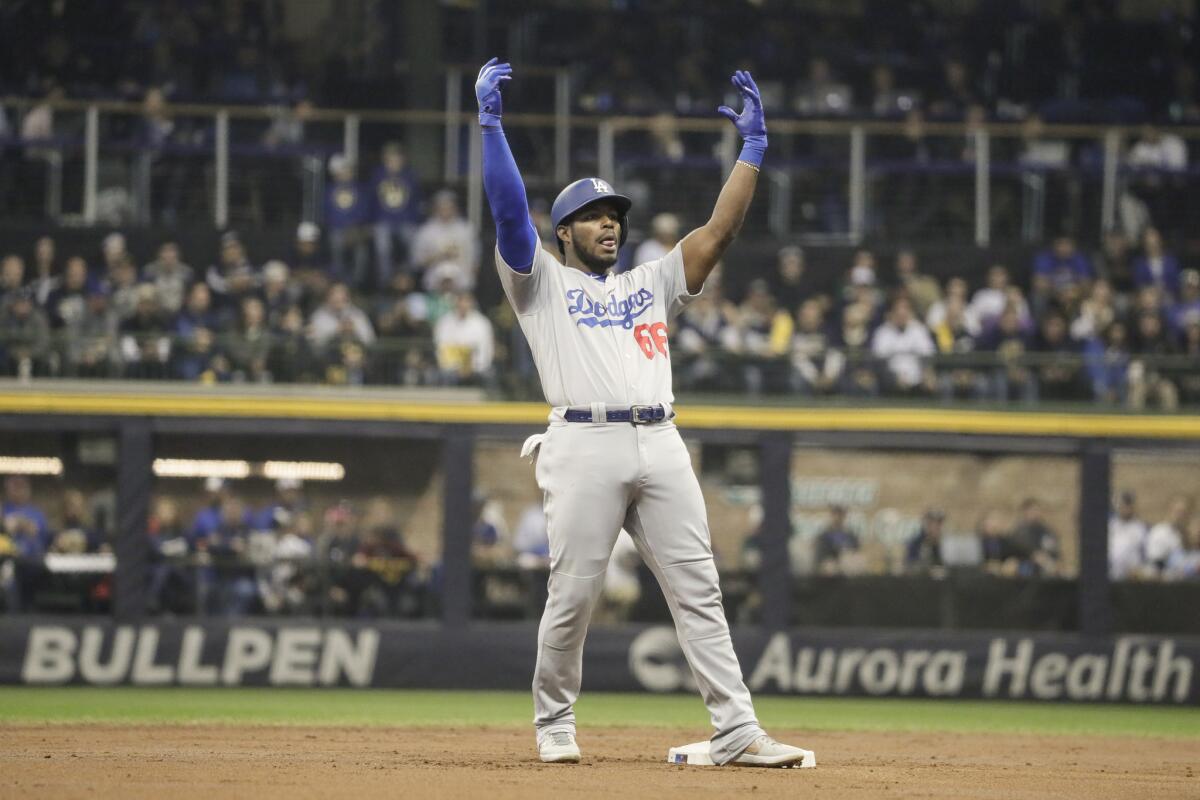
(753,150)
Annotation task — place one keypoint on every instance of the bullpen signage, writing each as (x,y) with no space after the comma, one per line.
(1131,669)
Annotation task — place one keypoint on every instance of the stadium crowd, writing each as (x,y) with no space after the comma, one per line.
(387,294)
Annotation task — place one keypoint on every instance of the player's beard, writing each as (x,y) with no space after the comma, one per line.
(593,263)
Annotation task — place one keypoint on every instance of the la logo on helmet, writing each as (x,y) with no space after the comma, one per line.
(601,187)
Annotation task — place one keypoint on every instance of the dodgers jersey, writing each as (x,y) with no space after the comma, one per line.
(599,339)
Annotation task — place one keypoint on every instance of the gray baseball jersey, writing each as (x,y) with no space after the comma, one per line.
(599,339)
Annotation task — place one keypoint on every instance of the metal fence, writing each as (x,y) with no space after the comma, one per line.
(838,181)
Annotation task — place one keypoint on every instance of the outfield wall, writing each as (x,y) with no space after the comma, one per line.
(1001,666)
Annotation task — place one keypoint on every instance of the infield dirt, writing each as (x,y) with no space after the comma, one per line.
(209,761)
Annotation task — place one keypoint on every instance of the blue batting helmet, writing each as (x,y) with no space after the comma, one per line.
(582,193)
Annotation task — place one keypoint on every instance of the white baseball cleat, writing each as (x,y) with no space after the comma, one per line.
(763,752)
(558,747)
(766,752)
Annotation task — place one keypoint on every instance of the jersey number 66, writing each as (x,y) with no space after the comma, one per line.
(652,337)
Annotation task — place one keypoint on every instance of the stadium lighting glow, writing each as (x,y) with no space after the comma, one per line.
(200,468)
(304,470)
(236,469)
(31,465)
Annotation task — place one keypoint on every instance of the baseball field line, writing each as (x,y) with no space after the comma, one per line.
(918,420)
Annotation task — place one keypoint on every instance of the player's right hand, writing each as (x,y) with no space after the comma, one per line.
(487,90)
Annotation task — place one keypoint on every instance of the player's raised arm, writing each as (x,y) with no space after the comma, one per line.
(703,247)
(515,235)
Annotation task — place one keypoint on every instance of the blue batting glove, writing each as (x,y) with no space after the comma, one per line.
(750,123)
(487,90)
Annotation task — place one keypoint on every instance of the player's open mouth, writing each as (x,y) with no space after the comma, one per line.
(609,243)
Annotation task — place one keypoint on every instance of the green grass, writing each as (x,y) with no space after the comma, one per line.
(429,708)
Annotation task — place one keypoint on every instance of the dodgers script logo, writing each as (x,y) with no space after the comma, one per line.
(605,315)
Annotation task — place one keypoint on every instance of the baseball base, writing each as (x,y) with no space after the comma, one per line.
(697,755)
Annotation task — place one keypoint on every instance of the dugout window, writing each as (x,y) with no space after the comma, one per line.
(933,540)
(58,513)
(312,526)
(1154,541)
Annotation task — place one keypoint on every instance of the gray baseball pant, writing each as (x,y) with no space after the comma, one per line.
(596,478)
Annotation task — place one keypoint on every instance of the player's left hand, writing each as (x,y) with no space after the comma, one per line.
(749,123)
(487,90)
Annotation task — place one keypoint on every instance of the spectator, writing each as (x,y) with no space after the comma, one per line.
(1001,557)
(145,344)
(170,277)
(24,336)
(836,543)
(1096,312)
(250,349)
(287,504)
(45,269)
(1012,378)
(1108,362)
(1037,542)
(822,94)
(19,506)
(12,277)
(1164,542)
(1115,260)
(404,312)
(286,130)
(278,292)
(114,252)
(1158,160)
(956,292)
(956,94)
(488,532)
(465,343)
(923,290)
(1039,152)
(956,336)
(765,334)
(664,230)
(1147,379)
(854,341)
(445,247)
(123,288)
(787,283)
(201,358)
(347,213)
(233,278)
(1156,267)
(988,302)
(1060,270)
(227,585)
(65,305)
(1126,539)
(309,267)
(923,554)
(75,533)
(396,211)
(208,517)
(291,358)
(92,338)
(817,365)
(904,345)
(338,318)
(1184,563)
(706,329)
(197,312)
(1187,310)
(1059,368)
(887,101)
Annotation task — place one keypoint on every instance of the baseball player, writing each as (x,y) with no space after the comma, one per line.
(612,456)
